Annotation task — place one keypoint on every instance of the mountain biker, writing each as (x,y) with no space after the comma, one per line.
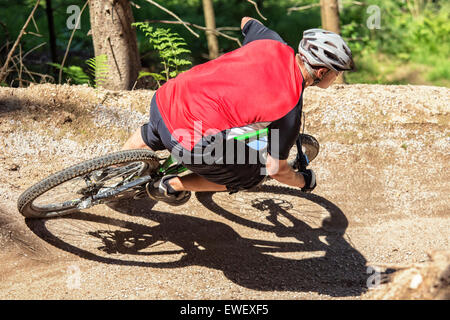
(258,85)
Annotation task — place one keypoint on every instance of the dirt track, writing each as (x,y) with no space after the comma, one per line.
(382,200)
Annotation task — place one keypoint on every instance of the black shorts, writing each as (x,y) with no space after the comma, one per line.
(235,176)
(155,133)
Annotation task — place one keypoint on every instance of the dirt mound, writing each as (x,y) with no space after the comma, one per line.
(382,199)
(15,238)
(428,280)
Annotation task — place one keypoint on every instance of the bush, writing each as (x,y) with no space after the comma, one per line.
(413,34)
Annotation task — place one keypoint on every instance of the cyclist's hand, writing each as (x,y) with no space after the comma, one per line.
(310,180)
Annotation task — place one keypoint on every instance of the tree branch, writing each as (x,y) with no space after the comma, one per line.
(70,42)
(216,31)
(313,5)
(309,6)
(35,24)
(20,61)
(228,29)
(173,15)
(3,72)
(358,3)
(22,67)
(31,50)
(257,9)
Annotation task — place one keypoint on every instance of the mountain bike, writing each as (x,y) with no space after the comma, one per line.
(123,175)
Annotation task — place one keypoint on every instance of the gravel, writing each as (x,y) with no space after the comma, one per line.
(383,165)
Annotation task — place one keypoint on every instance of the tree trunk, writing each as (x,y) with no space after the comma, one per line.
(329,11)
(210,22)
(114,36)
(51,31)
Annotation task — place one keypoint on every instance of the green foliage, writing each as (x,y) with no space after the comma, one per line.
(170,46)
(229,14)
(75,74)
(13,15)
(156,76)
(440,73)
(99,69)
(32,3)
(414,35)
(412,45)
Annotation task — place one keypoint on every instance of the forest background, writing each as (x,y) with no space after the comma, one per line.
(393,41)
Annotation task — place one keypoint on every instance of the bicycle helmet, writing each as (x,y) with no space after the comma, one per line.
(322,48)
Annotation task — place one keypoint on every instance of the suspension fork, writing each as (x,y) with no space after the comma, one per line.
(301,160)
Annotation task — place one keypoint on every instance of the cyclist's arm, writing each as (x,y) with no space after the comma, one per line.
(253,29)
(245,20)
(282,136)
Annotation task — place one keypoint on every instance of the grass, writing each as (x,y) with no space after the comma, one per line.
(375,68)
(440,74)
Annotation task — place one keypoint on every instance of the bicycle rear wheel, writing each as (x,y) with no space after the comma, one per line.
(72,189)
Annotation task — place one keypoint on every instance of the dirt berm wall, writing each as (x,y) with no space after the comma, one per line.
(381,204)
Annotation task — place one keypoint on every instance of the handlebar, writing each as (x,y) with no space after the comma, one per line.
(301,160)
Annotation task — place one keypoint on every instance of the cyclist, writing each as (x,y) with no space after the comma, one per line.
(256,86)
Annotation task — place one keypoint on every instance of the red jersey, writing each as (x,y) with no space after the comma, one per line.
(257,83)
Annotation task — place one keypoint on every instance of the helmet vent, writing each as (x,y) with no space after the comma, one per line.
(331,56)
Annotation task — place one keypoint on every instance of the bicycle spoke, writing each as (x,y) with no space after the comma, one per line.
(77,192)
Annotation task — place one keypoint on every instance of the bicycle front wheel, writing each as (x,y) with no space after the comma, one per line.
(72,189)
(310,146)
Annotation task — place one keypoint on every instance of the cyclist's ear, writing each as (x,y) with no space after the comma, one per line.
(321,72)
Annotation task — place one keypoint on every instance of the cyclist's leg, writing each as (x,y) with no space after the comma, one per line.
(195,182)
(147,136)
(135,141)
(231,177)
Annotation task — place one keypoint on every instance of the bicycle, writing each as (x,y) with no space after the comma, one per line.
(122,175)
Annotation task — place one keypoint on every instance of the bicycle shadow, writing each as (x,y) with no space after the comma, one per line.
(340,271)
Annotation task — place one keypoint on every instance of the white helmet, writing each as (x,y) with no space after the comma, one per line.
(322,48)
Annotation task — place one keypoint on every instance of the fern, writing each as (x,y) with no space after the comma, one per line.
(156,76)
(74,73)
(170,46)
(99,69)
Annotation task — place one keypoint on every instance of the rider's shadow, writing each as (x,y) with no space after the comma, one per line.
(339,271)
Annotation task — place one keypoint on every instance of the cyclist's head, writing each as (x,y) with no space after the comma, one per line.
(324,49)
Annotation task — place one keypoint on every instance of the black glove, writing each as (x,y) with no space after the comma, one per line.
(310,180)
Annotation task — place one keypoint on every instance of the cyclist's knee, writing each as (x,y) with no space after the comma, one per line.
(248,185)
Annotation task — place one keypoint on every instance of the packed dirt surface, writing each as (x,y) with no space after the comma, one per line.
(376,227)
